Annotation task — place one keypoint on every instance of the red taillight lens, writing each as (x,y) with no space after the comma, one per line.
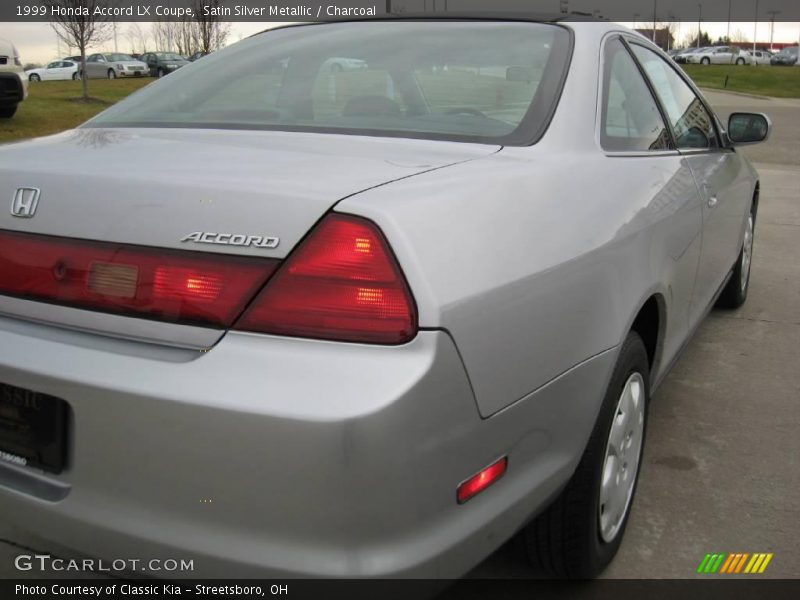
(342,283)
(481,480)
(167,285)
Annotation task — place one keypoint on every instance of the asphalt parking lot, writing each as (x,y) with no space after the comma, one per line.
(721,469)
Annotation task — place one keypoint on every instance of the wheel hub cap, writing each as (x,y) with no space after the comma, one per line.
(623,452)
(747,253)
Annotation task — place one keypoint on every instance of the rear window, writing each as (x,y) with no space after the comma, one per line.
(468,81)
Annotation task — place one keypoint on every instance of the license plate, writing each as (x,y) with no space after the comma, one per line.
(33,429)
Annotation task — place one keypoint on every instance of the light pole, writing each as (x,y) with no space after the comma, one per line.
(699,20)
(772,13)
(755,31)
(728,37)
(655,9)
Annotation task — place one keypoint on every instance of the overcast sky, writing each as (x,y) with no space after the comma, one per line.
(37,42)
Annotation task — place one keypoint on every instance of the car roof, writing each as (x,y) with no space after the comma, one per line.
(574,20)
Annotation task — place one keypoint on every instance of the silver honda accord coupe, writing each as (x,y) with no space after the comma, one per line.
(285,320)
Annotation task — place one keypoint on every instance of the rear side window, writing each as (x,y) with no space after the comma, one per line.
(691,122)
(631,118)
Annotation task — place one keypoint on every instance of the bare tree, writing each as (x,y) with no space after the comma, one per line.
(137,38)
(212,31)
(739,37)
(166,35)
(199,33)
(76,24)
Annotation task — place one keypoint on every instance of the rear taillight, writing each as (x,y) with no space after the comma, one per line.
(341,283)
(167,285)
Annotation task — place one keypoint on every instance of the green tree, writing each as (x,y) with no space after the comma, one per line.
(704,40)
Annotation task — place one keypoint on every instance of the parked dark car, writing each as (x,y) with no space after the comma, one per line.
(163,63)
(786,57)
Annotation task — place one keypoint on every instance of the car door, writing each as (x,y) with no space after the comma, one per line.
(96,66)
(50,72)
(720,175)
(636,138)
(62,70)
(152,65)
(720,56)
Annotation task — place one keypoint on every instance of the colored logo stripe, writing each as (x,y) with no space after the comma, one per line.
(737,562)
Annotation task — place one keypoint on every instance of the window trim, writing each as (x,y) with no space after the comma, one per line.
(722,140)
(603,80)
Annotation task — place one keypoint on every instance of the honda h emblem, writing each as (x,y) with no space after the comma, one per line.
(25,202)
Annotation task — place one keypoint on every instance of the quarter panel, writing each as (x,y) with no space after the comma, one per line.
(533,267)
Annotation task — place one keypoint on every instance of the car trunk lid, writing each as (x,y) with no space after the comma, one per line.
(244,193)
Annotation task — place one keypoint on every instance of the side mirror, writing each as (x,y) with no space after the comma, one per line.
(749,128)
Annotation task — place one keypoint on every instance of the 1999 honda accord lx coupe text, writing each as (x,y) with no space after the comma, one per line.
(368,322)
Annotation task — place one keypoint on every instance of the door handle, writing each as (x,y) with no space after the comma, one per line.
(711,196)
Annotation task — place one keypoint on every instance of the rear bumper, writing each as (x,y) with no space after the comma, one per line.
(280,457)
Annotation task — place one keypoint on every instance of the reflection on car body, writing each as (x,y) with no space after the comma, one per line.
(483,243)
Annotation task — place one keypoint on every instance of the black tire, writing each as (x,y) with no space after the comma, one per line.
(160,73)
(6,112)
(75,76)
(734,294)
(705,61)
(34,77)
(739,61)
(565,541)
(112,74)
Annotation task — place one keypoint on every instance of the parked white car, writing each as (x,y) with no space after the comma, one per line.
(13,85)
(720,55)
(56,70)
(760,57)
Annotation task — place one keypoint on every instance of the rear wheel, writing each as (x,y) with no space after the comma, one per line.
(34,77)
(6,112)
(705,61)
(580,532)
(735,292)
(75,76)
(112,74)
(739,61)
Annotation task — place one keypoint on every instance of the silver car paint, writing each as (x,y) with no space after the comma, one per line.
(318,458)
(554,268)
(100,68)
(528,266)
